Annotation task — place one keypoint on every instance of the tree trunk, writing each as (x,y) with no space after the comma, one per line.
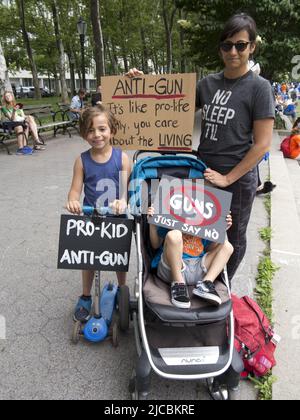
(145,55)
(60,47)
(21,8)
(72,74)
(4,80)
(57,85)
(122,15)
(169,23)
(98,40)
(145,51)
(111,58)
(183,66)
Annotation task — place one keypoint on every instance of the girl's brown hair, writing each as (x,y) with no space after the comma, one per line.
(86,120)
(4,102)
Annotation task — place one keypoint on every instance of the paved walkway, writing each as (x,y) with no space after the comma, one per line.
(286,254)
(37,359)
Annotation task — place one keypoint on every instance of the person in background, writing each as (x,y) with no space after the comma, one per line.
(97,97)
(77,105)
(13,112)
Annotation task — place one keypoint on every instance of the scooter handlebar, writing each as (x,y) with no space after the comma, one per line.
(101,211)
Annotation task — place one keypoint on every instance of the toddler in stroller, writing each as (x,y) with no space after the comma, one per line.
(184,260)
(194,343)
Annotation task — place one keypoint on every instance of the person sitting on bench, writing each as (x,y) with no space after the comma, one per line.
(13,112)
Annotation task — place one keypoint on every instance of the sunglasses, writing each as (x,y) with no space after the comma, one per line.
(239,46)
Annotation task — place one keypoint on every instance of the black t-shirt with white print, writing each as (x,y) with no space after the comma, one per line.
(229,109)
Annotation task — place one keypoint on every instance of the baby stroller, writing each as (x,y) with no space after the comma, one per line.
(177,344)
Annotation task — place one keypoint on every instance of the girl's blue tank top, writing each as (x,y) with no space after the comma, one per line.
(101,179)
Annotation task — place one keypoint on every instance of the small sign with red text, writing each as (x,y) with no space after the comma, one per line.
(193,208)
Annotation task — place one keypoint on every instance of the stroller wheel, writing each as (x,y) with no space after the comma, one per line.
(77,332)
(124,312)
(216,391)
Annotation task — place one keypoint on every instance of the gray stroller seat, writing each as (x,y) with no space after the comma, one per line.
(158,299)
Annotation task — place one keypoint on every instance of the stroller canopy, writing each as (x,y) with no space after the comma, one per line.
(153,168)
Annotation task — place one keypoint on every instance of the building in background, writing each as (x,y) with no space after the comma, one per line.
(23,78)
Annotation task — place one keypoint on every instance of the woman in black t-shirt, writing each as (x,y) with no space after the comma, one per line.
(238,112)
(239,143)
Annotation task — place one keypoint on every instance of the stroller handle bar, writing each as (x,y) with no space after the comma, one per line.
(170,152)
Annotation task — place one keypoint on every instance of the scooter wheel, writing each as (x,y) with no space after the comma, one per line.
(77,332)
(114,337)
(124,312)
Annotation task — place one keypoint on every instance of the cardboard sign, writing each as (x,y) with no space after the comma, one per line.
(154,112)
(94,244)
(193,208)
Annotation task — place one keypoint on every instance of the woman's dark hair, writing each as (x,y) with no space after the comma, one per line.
(238,23)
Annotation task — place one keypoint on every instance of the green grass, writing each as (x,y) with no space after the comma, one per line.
(268,204)
(264,296)
(44,101)
(266,235)
(264,287)
(265,386)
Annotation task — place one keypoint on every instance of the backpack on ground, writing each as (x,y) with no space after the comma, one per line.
(285,147)
(255,339)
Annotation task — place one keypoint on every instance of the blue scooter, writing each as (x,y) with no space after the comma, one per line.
(112,299)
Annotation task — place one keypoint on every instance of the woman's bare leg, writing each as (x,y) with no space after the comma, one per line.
(20,137)
(33,129)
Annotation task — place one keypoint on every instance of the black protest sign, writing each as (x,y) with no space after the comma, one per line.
(94,244)
(193,208)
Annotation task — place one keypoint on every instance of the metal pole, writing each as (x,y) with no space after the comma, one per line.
(82,39)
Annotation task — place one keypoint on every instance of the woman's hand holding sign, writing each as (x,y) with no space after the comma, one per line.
(134,73)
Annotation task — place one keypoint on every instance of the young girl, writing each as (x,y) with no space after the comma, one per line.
(94,170)
(10,111)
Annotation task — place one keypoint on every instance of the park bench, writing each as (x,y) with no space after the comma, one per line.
(65,109)
(4,135)
(46,119)
(7,131)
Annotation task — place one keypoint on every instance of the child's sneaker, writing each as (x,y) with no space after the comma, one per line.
(20,152)
(180,296)
(83,309)
(207,291)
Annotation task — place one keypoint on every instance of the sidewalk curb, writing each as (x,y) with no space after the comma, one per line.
(285,253)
